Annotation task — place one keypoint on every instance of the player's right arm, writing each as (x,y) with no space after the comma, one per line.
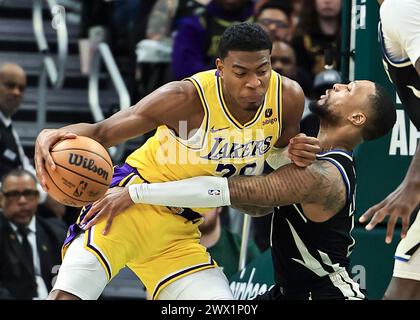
(167,105)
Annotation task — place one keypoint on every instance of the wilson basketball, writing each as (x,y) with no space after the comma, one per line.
(83,171)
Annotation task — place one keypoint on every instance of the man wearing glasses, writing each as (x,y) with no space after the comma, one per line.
(275,18)
(29,245)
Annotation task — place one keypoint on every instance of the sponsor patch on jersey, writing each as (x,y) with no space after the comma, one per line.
(269,121)
(268,112)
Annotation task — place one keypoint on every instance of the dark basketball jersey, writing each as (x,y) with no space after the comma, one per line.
(404,76)
(310,258)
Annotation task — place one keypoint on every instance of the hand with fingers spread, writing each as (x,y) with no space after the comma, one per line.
(46,139)
(115,201)
(303,149)
(399,204)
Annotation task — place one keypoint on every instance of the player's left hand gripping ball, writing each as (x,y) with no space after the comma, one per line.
(115,201)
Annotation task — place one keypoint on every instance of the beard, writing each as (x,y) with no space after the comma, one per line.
(323,111)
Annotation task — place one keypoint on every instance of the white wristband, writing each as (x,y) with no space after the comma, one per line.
(197,192)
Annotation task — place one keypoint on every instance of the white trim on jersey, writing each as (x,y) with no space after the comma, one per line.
(345,154)
(309,261)
(300,213)
(353,241)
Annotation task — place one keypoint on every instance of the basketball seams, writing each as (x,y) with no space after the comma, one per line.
(76,199)
(79,149)
(79,174)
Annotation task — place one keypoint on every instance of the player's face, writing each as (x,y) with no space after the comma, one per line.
(12,87)
(344,99)
(246,76)
(19,199)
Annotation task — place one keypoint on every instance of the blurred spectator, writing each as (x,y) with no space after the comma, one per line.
(296,14)
(154,52)
(187,8)
(283,61)
(323,81)
(275,17)
(29,245)
(122,24)
(197,38)
(224,246)
(12,156)
(317,42)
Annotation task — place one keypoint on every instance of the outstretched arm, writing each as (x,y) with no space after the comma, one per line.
(319,185)
(167,105)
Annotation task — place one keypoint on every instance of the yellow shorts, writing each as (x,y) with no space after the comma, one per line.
(158,245)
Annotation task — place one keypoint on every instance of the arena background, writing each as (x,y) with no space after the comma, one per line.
(381,165)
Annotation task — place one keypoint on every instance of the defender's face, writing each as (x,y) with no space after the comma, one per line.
(344,99)
(246,77)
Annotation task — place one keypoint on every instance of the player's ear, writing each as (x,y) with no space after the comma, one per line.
(357,118)
(220,66)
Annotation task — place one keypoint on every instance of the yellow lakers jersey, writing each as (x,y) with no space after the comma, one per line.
(221,146)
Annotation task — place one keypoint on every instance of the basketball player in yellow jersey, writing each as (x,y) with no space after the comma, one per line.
(235,116)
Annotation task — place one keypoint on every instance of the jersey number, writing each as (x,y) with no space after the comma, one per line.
(229,169)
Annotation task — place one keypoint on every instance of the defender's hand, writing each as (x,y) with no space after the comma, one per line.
(399,204)
(303,149)
(46,139)
(115,201)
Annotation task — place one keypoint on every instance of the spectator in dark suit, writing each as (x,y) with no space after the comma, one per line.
(29,245)
(12,155)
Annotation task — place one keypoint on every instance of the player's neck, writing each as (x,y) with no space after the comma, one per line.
(210,239)
(238,112)
(329,140)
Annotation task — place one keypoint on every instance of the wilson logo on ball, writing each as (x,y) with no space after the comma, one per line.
(86,163)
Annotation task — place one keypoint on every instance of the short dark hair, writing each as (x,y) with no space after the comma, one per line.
(284,6)
(383,114)
(244,37)
(16,173)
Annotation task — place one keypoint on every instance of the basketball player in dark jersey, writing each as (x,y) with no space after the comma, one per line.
(399,35)
(311,236)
